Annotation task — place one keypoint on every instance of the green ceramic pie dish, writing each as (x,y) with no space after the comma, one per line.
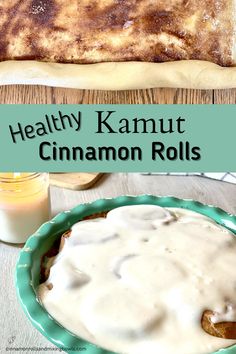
(28,265)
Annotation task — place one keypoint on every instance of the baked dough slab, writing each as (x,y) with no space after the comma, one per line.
(119,76)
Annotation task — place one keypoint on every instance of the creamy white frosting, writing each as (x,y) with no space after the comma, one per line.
(139,281)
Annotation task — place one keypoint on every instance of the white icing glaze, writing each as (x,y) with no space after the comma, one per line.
(140,280)
(139,218)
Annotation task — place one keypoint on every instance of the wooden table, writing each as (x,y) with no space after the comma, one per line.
(15,329)
(42,94)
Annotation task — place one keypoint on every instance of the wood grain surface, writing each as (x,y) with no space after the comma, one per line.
(15,329)
(42,94)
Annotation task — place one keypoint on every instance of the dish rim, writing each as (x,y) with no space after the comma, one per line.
(28,264)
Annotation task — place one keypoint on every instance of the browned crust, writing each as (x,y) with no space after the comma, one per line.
(89,31)
(67,233)
(226,330)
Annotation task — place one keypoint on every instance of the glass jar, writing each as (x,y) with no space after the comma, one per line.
(24,204)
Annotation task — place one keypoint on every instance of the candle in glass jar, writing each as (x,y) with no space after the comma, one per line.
(24,204)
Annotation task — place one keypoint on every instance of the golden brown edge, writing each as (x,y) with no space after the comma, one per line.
(119,76)
(226,330)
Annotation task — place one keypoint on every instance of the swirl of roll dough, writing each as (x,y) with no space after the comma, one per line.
(140,217)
